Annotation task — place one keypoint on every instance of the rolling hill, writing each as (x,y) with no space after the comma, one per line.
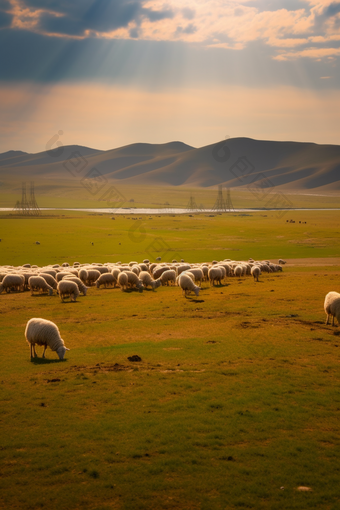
(236,162)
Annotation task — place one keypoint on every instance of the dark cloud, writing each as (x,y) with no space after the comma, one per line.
(94,15)
(31,57)
(5,5)
(188,13)
(332,10)
(275,5)
(189,29)
(5,19)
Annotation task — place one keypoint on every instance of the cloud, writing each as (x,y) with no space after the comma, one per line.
(232,24)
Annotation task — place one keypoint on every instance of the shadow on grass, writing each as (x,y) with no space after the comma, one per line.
(46,361)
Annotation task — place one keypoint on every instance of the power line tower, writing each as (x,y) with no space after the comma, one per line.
(26,207)
(192,206)
(34,208)
(229,204)
(221,204)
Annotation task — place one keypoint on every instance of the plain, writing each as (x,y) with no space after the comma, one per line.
(236,401)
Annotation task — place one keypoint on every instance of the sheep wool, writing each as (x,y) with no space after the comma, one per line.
(187,285)
(39,284)
(67,288)
(332,306)
(256,271)
(43,332)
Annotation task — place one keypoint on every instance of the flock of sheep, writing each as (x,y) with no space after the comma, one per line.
(69,281)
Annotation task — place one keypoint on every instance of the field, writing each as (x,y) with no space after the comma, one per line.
(236,400)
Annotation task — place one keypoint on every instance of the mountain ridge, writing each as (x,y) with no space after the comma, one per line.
(235,162)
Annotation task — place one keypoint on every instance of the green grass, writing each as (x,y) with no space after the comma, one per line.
(199,238)
(236,396)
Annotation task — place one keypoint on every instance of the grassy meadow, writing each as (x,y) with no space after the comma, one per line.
(236,400)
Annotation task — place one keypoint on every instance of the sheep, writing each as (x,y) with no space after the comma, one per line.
(123,280)
(181,268)
(43,332)
(198,274)
(81,286)
(215,275)
(168,276)
(147,280)
(92,276)
(67,288)
(238,271)
(134,281)
(332,306)
(61,274)
(158,271)
(187,285)
(281,261)
(106,279)
(50,280)
(38,283)
(82,274)
(12,281)
(256,271)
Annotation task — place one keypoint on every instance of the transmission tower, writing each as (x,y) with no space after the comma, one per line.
(221,204)
(34,208)
(192,206)
(229,204)
(26,207)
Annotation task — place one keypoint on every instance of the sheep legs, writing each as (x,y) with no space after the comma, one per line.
(33,352)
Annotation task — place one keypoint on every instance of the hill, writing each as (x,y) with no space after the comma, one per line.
(237,162)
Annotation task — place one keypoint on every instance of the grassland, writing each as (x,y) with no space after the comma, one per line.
(235,403)
(71,193)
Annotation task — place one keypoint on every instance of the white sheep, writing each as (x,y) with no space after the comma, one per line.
(92,276)
(332,306)
(46,333)
(123,280)
(82,274)
(187,285)
(12,281)
(256,271)
(81,286)
(215,275)
(168,276)
(106,279)
(67,288)
(147,280)
(38,283)
(50,280)
(134,281)
(281,261)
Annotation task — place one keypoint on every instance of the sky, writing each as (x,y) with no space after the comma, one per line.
(108,73)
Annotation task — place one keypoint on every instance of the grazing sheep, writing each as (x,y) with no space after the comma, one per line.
(106,279)
(92,276)
(158,271)
(187,285)
(181,268)
(147,280)
(38,283)
(67,288)
(81,286)
(215,275)
(46,333)
(82,274)
(168,276)
(332,306)
(198,274)
(256,271)
(50,280)
(281,261)
(238,271)
(12,281)
(123,280)
(134,281)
